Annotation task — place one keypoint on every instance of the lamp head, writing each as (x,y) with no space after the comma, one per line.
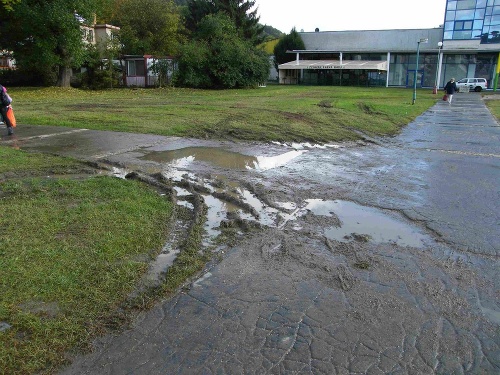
(440,44)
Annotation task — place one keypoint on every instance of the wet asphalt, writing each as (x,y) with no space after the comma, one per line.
(304,308)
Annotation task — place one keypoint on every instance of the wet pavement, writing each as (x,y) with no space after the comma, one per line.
(368,258)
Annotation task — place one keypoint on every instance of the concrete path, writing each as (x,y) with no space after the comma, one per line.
(295,299)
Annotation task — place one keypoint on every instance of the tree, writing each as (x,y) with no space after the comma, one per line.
(148,26)
(45,36)
(239,11)
(100,71)
(217,57)
(245,19)
(195,11)
(289,42)
(7,4)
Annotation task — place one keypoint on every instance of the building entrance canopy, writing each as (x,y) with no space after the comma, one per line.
(334,64)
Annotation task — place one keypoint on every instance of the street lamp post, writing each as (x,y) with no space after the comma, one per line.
(440,44)
(422,40)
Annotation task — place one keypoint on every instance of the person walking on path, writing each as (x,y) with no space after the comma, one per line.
(5,101)
(450,88)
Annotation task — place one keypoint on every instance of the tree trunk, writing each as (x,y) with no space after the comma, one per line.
(64,78)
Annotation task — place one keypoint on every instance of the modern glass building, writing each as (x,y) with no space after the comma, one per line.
(466,45)
(472,20)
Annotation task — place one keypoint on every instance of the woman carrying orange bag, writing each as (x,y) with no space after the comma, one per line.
(6,110)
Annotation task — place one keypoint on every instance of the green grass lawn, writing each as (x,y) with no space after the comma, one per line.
(493,103)
(272,113)
(71,250)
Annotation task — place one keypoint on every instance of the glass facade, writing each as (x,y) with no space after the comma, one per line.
(402,68)
(347,77)
(464,20)
(472,19)
(330,77)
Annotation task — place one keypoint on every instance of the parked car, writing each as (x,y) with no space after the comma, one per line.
(476,84)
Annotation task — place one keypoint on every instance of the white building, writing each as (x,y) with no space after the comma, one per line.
(466,45)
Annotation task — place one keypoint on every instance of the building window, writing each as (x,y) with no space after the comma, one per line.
(136,68)
(463,25)
(462,34)
(466,4)
(88,35)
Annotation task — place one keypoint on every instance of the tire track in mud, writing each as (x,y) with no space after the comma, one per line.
(378,306)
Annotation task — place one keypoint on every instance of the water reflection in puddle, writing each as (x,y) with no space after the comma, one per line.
(182,158)
(119,172)
(371,223)
(265,163)
(161,264)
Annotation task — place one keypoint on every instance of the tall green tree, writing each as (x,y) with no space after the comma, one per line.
(194,12)
(288,42)
(217,57)
(148,26)
(7,4)
(45,36)
(242,12)
(100,71)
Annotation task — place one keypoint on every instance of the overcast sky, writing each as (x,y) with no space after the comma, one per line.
(335,15)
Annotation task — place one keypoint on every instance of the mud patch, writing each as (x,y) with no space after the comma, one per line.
(44,309)
(368,109)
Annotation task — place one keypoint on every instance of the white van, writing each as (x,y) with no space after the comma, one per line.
(476,84)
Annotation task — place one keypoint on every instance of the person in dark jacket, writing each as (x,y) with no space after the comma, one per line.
(450,88)
(5,101)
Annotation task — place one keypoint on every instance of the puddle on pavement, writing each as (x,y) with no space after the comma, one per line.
(182,158)
(301,146)
(265,163)
(368,223)
(357,222)
(219,209)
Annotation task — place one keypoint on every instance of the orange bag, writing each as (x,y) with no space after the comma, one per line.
(11,117)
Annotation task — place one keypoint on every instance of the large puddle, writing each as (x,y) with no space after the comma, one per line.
(182,158)
(357,222)
(367,223)
(226,199)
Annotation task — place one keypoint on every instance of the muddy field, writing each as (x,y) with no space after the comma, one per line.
(377,257)
(329,270)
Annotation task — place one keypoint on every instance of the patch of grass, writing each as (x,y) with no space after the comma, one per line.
(493,104)
(362,265)
(70,253)
(21,163)
(272,113)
